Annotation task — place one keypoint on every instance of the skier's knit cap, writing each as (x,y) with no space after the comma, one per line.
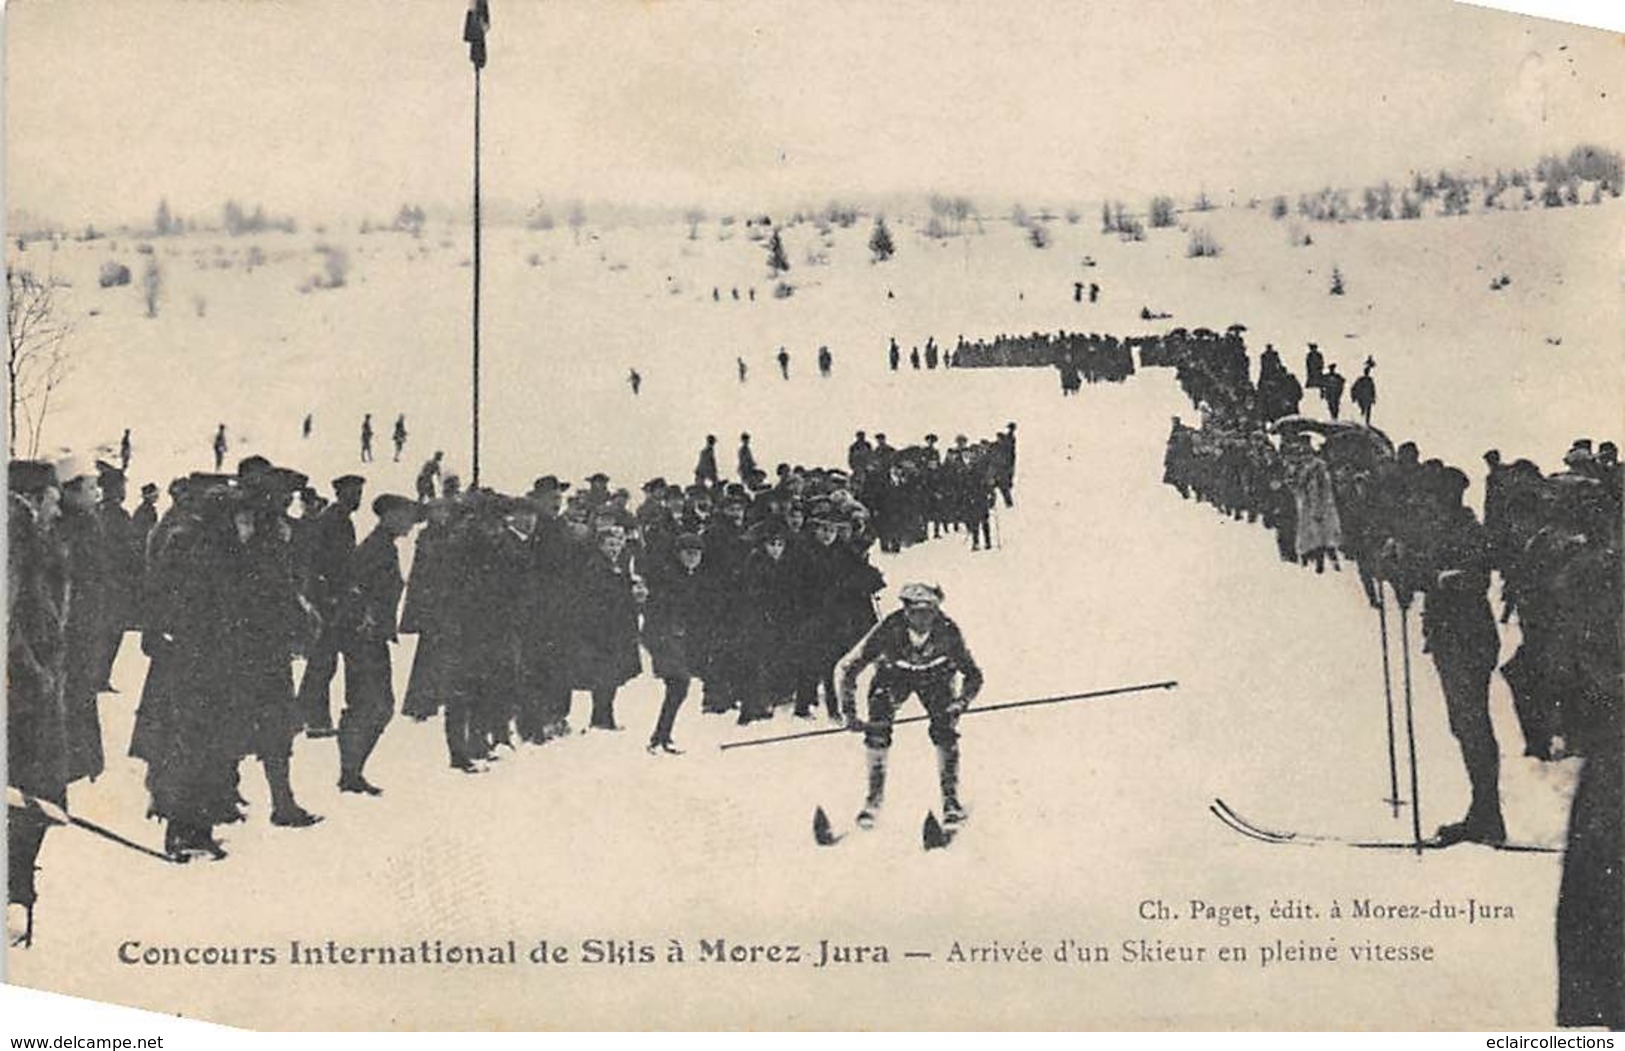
(598,476)
(150,489)
(30,476)
(921,594)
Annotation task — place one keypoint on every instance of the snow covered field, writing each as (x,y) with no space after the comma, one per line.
(1103,577)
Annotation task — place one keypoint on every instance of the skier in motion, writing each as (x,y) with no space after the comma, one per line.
(917,650)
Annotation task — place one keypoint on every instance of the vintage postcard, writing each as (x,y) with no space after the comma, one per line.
(1049,515)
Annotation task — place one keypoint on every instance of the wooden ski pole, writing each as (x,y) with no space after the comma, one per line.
(1410,723)
(1388,695)
(803,735)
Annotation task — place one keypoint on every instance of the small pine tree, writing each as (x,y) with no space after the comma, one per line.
(1162,212)
(777,262)
(1337,282)
(880,242)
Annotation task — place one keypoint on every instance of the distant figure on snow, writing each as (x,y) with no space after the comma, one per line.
(429,475)
(124,452)
(744,370)
(305,428)
(1094,292)
(1364,391)
(635,381)
(784,363)
(826,361)
(1077,291)
(1331,388)
(914,358)
(366,438)
(894,354)
(747,459)
(705,470)
(400,436)
(220,447)
(1313,365)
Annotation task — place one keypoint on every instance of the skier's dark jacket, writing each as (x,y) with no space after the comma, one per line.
(895,656)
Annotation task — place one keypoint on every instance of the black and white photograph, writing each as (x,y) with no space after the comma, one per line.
(574,515)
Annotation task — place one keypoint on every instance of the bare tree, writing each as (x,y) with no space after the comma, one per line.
(36,354)
(694,217)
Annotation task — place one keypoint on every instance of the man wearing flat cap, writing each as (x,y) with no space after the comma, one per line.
(916,651)
(329,546)
(368,623)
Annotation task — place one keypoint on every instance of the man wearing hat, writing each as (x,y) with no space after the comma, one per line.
(123,562)
(916,651)
(746,459)
(331,547)
(678,622)
(368,624)
(597,493)
(145,517)
(36,742)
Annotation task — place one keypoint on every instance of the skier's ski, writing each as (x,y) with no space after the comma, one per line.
(1227,814)
(823,834)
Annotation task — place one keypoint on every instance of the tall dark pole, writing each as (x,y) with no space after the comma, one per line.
(475,25)
(476,480)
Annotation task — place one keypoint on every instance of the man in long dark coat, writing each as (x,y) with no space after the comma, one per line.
(36,735)
(368,625)
(266,619)
(606,627)
(331,547)
(122,567)
(183,728)
(86,630)
(547,597)
(677,624)
(1460,633)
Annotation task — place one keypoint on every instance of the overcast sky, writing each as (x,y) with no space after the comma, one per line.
(315,107)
